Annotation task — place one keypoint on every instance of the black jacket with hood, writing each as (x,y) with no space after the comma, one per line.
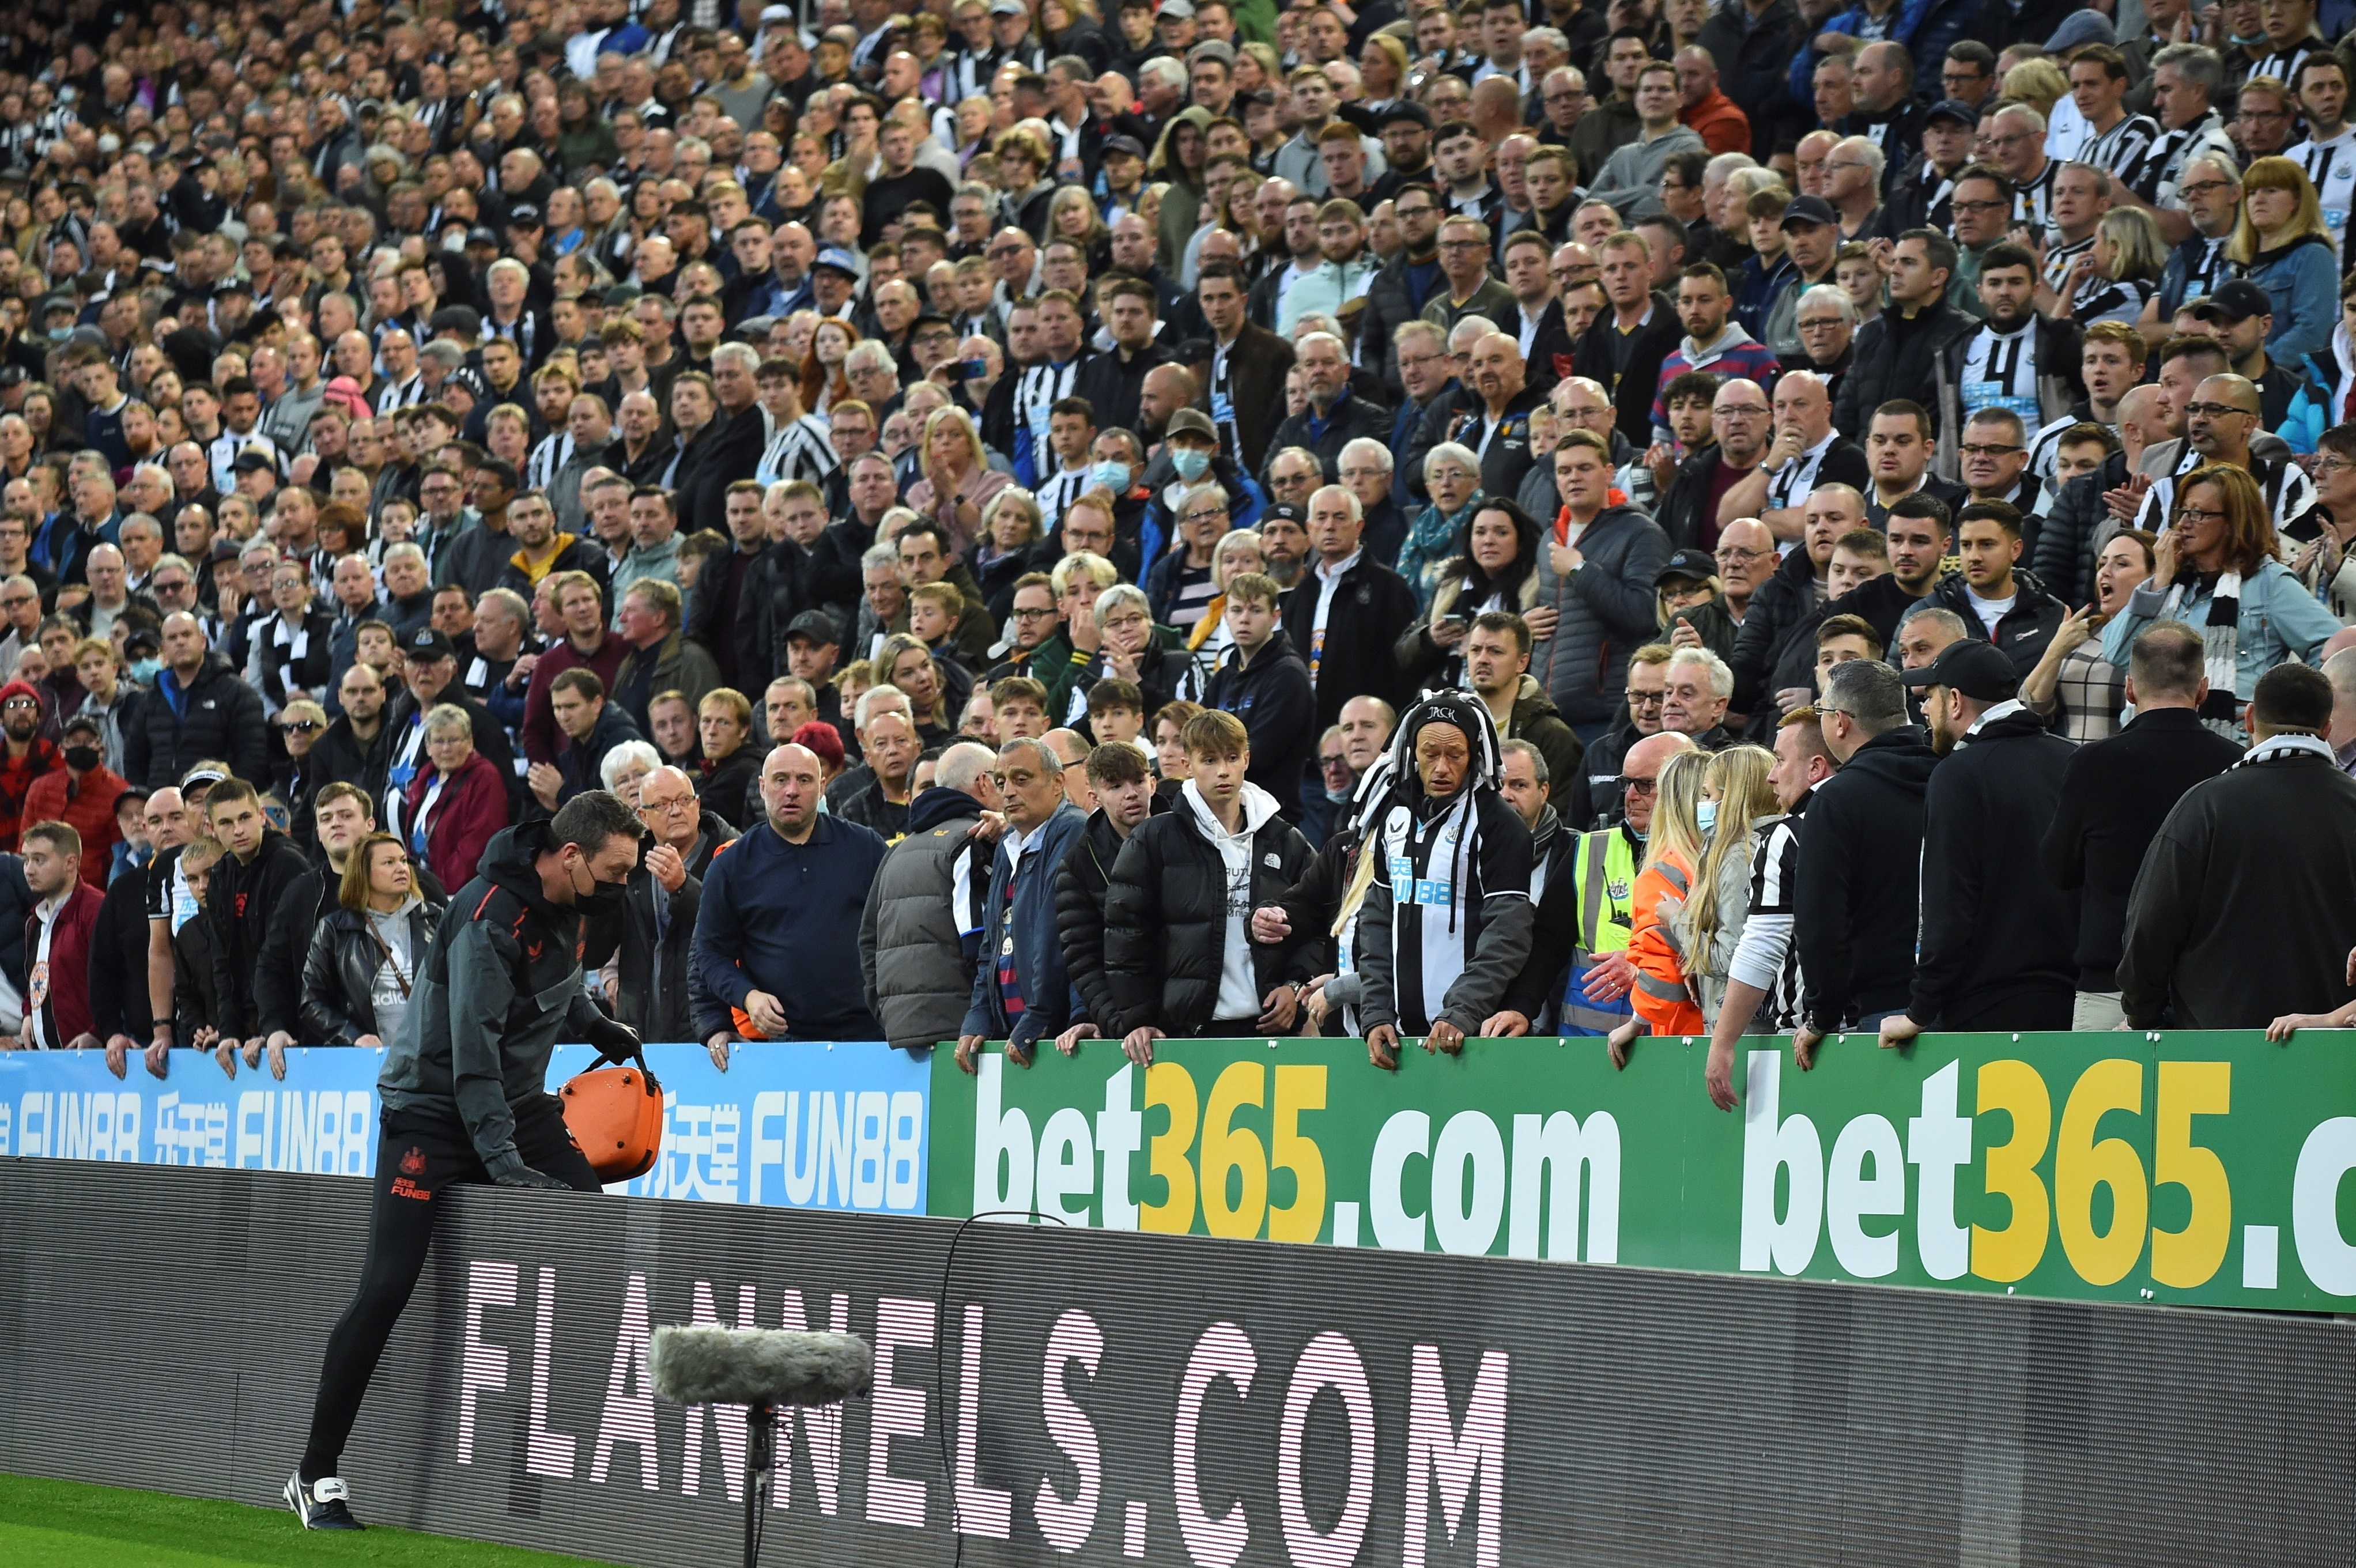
(240,905)
(1273,698)
(1783,605)
(499,987)
(1166,916)
(1858,902)
(1465,912)
(1998,938)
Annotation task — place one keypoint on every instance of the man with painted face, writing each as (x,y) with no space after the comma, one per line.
(463,1088)
(1447,922)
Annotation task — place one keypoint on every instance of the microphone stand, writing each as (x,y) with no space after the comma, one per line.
(760,1473)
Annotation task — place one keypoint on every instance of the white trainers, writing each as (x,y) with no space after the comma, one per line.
(322,1505)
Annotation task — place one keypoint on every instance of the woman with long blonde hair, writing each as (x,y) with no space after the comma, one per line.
(1737,803)
(2289,250)
(957,482)
(1674,847)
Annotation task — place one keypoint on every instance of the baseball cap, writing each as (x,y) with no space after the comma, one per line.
(524,215)
(1130,144)
(205,777)
(471,380)
(1954,109)
(1972,667)
(1285,511)
(815,626)
(481,234)
(1007,8)
(425,643)
(1192,421)
(1693,565)
(253,460)
(1809,209)
(1404,109)
(2081,28)
(622,296)
(838,259)
(1182,9)
(2235,300)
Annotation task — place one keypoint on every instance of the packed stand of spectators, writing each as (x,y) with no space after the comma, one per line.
(1413,522)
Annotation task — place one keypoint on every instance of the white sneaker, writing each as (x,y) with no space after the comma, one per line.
(322,1505)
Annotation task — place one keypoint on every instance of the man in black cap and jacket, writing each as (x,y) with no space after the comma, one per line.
(1856,907)
(1996,933)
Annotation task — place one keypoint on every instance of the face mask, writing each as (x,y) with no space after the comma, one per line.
(1190,465)
(60,333)
(1113,477)
(82,758)
(145,671)
(1705,816)
(602,899)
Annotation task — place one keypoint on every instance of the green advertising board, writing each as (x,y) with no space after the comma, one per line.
(2200,1168)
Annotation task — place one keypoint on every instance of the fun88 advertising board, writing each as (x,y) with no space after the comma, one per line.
(803,1125)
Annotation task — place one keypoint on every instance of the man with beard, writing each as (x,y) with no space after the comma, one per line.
(1694,511)
(29,756)
(1998,602)
(2019,360)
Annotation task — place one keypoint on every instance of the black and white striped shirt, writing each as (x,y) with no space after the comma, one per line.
(546,460)
(1053,494)
(401,394)
(2032,202)
(802,450)
(2122,150)
(1766,956)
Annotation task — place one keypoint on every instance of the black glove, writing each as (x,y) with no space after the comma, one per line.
(528,1176)
(615,1041)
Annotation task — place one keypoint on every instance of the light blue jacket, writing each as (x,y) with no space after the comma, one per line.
(2280,621)
(2303,283)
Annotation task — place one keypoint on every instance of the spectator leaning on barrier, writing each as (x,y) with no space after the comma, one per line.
(2118,792)
(1022,992)
(1857,904)
(1179,956)
(362,966)
(58,938)
(1996,934)
(776,934)
(1117,776)
(650,977)
(920,932)
(247,885)
(1446,924)
(2245,906)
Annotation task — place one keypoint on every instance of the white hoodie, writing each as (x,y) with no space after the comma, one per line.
(1239,983)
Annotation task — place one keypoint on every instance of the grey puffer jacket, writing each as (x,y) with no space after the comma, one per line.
(917,963)
(1606,609)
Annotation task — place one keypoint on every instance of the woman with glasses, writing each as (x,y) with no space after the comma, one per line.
(295,777)
(458,804)
(292,650)
(2327,562)
(365,956)
(2214,568)
(1451,474)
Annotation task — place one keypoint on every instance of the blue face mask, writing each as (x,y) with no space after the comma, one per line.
(145,671)
(1705,816)
(1190,465)
(1113,477)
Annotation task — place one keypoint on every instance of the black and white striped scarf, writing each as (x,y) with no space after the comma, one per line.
(2221,634)
(1432,862)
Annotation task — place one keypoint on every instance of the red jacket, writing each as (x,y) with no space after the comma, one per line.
(469,810)
(540,732)
(86,806)
(17,778)
(1720,123)
(59,988)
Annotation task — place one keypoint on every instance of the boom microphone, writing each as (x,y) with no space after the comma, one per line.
(705,1363)
(759,1369)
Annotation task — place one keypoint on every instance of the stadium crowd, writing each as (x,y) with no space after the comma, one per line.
(1527,516)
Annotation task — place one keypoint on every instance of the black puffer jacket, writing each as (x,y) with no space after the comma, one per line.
(1079,916)
(339,976)
(1900,358)
(1781,606)
(218,717)
(1165,919)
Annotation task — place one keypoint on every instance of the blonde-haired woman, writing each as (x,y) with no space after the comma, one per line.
(2287,250)
(2117,273)
(1737,806)
(1072,215)
(1382,73)
(1674,848)
(2038,83)
(957,482)
(1237,552)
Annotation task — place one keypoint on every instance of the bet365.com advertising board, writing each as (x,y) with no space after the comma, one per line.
(2187,1167)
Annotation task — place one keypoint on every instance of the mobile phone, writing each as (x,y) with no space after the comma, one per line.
(968,369)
